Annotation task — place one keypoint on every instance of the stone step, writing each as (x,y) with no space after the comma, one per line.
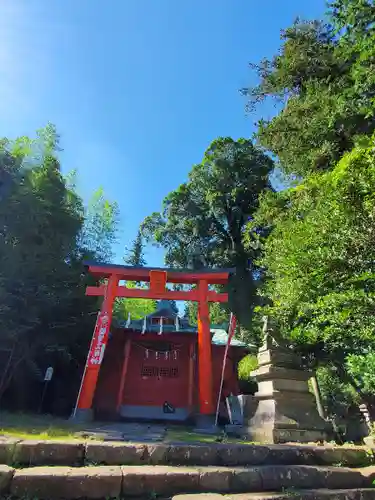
(323,494)
(79,453)
(143,481)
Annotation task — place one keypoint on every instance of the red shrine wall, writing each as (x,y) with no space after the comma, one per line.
(161,369)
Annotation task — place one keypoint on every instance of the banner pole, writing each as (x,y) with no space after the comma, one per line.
(84,371)
(231,330)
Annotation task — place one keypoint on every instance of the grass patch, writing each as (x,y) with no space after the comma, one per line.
(24,426)
(46,427)
(186,436)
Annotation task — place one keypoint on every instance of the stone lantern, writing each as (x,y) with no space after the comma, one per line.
(283,410)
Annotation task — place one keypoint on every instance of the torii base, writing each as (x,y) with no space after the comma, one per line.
(82,416)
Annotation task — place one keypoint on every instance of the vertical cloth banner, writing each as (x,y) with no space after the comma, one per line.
(97,348)
(231,332)
(99,343)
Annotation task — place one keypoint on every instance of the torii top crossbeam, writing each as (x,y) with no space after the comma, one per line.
(157,279)
(185,276)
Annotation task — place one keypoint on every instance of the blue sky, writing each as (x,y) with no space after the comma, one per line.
(136,88)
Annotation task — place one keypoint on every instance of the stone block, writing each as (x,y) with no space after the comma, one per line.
(7,447)
(286,417)
(49,453)
(158,480)
(6,474)
(340,477)
(238,455)
(215,479)
(285,359)
(115,453)
(308,477)
(368,476)
(201,496)
(272,386)
(67,482)
(287,495)
(290,455)
(186,454)
(271,372)
(282,476)
(351,457)
(246,479)
(157,454)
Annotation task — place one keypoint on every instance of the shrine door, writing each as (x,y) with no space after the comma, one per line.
(157,381)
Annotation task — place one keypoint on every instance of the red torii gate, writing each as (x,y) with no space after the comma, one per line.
(158,279)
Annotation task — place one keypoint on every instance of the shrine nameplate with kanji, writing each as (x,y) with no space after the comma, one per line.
(158,281)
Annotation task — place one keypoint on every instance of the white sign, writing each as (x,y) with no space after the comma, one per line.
(48,374)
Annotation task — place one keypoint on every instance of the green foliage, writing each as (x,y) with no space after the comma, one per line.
(135,255)
(218,314)
(137,308)
(45,317)
(100,227)
(362,370)
(34,254)
(247,365)
(202,222)
(323,78)
(318,252)
(320,257)
(337,395)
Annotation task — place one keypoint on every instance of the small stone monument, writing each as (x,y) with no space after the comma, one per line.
(284,409)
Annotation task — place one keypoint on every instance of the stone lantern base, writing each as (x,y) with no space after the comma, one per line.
(283,410)
(282,416)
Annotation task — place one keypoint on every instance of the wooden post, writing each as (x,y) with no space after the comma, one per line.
(206,405)
(125,363)
(97,349)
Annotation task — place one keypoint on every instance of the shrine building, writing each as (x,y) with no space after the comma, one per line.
(149,370)
(159,367)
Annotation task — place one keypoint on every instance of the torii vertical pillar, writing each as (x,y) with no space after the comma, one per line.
(206,416)
(83,410)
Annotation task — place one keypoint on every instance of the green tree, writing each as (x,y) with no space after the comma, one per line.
(218,314)
(361,367)
(323,80)
(320,261)
(135,255)
(45,317)
(338,396)
(202,222)
(40,220)
(99,232)
(137,308)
